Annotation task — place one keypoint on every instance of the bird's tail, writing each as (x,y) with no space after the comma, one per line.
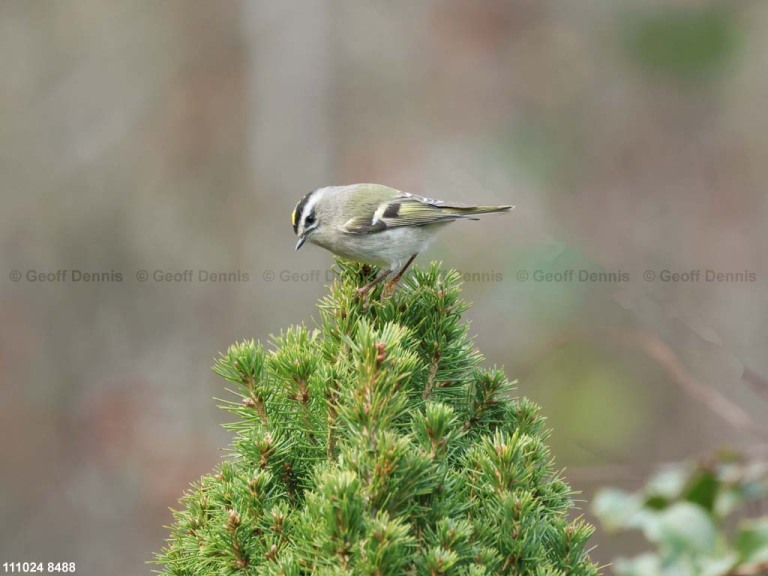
(461,211)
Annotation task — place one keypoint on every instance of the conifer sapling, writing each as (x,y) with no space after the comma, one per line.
(377,444)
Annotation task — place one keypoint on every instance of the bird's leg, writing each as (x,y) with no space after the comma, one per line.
(389,289)
(363,290)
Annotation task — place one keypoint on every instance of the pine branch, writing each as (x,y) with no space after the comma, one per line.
(376,444)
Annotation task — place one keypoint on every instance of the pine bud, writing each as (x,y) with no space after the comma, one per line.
(233,520)
(272,554)
(381,350)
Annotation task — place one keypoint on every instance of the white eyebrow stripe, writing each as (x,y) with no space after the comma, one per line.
(310,205)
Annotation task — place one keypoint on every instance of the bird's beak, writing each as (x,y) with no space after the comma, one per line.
(301,241)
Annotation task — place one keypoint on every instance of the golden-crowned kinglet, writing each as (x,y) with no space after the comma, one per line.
(376,224)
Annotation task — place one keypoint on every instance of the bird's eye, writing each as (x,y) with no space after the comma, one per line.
(310,220)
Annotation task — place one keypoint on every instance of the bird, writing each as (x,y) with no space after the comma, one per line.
(377,225)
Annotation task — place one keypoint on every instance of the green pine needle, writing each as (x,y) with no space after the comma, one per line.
(376,444)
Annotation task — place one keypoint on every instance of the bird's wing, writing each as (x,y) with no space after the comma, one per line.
(400,211)
(386,208)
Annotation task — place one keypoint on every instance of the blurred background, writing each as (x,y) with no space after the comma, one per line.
(140,139)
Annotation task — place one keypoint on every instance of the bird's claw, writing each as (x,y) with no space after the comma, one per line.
(389,289)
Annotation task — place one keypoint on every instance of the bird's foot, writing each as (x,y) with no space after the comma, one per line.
(363,291)
(390,288)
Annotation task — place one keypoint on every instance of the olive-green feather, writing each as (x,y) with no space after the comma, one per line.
(384,208)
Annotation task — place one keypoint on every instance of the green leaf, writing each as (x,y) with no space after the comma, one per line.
(669,482)
(683,527)
(657,502)
(752,541)
(720,566)
(615,507)
(643,565)
(703,489)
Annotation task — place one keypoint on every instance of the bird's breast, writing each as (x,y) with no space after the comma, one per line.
(386,248)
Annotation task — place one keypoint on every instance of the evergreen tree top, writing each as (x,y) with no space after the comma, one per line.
(377,444)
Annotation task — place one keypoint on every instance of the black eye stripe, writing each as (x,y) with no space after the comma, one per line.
(299,212)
